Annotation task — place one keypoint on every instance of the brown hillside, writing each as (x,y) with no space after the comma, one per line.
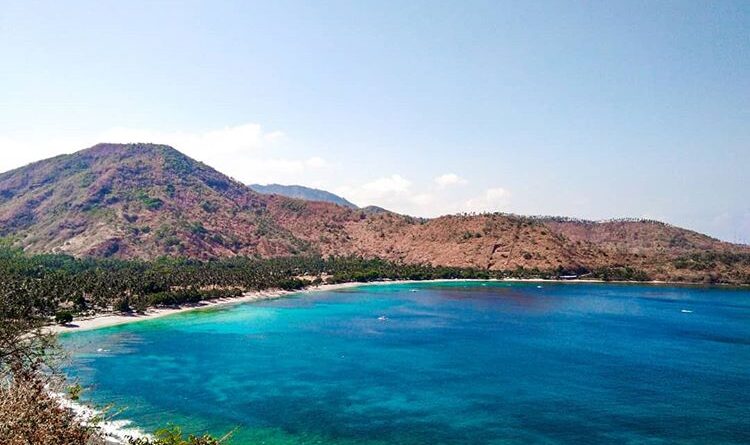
(145,201)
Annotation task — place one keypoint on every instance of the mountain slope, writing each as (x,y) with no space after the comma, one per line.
(301,192)
(145,201)
(136,200)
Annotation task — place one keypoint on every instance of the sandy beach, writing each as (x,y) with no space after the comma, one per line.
(112,319)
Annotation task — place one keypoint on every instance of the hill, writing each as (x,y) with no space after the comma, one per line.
(301,192)
(146,201)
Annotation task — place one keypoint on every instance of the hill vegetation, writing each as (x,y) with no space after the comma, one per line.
(145,201)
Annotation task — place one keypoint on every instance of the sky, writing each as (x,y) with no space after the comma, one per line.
(594,110)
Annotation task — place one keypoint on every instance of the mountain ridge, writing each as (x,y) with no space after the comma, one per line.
(149,200)
(302,192)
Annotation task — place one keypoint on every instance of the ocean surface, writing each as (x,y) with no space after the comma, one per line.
(439,363)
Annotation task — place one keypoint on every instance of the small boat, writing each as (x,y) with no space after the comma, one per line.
(412,290)
(686,311)
(539,287)
(382,318)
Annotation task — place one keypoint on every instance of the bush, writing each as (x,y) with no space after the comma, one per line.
(122,305)
(63,317)
(210,207)
(173,436)
(75,391)
(29,415)
(141,305)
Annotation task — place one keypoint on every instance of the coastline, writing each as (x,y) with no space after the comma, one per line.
(113,432)
(99,321)
(106,320)
(118,432)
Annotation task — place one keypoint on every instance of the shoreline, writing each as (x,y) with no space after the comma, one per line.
(118,432)
(113,432)
(106,320)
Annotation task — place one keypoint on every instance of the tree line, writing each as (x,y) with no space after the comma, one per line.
(62,285)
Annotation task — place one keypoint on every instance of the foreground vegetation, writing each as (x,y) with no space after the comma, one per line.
(36,290)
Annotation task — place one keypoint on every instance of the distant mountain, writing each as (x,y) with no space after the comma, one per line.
(374,210)
(146,201)
(302,192)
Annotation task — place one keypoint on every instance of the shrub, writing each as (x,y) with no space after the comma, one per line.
(141,305)
(29,415)
(150,202)
(197,229)
(173,436)
(122,305)
(209,207)
(63,317)
(74,391)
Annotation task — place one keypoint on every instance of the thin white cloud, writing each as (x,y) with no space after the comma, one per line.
(388,185)
(17,152)
(280,170)
(449,179)
(492,200)
(246,152)
(387,190)
(240,139)
(399,194)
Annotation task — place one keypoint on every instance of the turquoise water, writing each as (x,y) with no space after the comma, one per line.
(447,363)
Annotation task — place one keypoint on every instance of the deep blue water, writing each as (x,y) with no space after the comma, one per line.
(447,363)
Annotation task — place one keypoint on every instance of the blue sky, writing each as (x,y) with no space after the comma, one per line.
(585,109)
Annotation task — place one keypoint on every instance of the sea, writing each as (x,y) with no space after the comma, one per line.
(458,362)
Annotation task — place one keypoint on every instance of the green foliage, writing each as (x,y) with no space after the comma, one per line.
(122,305)
(170,190)
(174,436)
(190,295)
(63,317)
(196,228)
(294,205)
(87,178)
(710,260)
(79,301)
(149,202)
(167,235)
(210,207)
(176,162)
(292,284)
(264,226)
(622,273)
(75,391)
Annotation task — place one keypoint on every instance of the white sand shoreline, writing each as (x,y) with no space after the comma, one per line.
(112,431)
(111,319)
